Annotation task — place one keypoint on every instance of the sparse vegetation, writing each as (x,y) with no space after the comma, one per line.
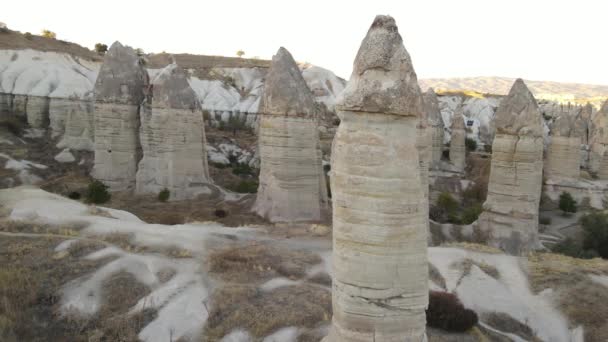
(28,35)
(487,148)
(240,53)
(544,220)
(13,124)
(97,193)
(595,228)
(235,124)
(164,195)
(446,312)
(567,204)
(75,195)
(470,144)
(220,213)
(246,186)
(101,48)
(471,214)
(48,34)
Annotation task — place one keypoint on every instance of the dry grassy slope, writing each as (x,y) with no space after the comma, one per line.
(202,65)
(574,92)
(14,40)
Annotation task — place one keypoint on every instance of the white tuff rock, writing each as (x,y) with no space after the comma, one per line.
(119,92)
(511,209)
(380,274)
(172,136)
(292,184)
(436,128)
(457,142)
(563,153)
(598,141)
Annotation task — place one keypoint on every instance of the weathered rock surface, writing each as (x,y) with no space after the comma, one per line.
(77,117)
(563,154)
(511,209)
(292,184)
(37,110)
(380,275)
(436,128)
(119,92)
(457,143)
(173,139)
(598,141)
(424,141)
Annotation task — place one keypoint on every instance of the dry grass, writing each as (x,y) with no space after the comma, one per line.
(17,41)
(69,229)
(261,313)
(548,270)
(474,247)
(258,262)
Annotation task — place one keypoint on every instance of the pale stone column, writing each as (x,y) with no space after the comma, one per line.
(511,208)
(380,273)
(173,139)
(436,127)
(457,142)
(563,154)
(599,143)
(292,183)
(37,111)
(119,92)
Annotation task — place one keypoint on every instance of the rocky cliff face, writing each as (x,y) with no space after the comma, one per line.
(435,124)
(172,137)
(380,284)
(119,92)
(598,141)
(511,208)
(292,184)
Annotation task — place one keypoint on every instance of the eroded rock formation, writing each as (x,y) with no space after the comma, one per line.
(292,184)
(511,210)
(74,120)
(433,113)
(37,109)
(563,153)
(119,92)
(598,141)
(380,275)
(173,139)
(457,143)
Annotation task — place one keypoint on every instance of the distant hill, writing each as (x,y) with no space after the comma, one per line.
(557,91)
(14,40)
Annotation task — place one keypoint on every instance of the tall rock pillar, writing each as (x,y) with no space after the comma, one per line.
(292,184)
(598,158)
(119,93)
(436,127)
(457,142)
(172,136)
(380,273)
(511,208)
(563,154)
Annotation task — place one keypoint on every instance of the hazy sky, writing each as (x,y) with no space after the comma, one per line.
(555,40)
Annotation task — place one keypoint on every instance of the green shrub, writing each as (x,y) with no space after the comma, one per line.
(471,214)
(447,202)
(567,204)
(470,144)
(241,169)
(97,193)
(446,312)
(49,34)
(487,148)
(28,36)
(595,229)
(247,186)
(101,48)
(544,220)
(164,195)
(573,249)
(75,195)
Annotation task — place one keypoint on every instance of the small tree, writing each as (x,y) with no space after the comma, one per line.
(471,144)
(28,36)
(97,193)
(49,34)
(139,51)
(101,48)
(567,204)
(595,227)
(164,195)
(240,53)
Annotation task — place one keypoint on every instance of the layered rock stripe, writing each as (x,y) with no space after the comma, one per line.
(292,183)
(380,274)
(511,209)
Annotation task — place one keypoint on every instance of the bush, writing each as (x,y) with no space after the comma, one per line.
(101,48)
(446,202)
(13,125)
(97,193)
(567,204)
(28,36)
(220,213)
(247,186)
(164,195)
(242,169)
(49,34)
(75,195)
(487,148)
(544,220)
(471,214)
(446,312)
(595,229)
(471,144)
(573,249)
